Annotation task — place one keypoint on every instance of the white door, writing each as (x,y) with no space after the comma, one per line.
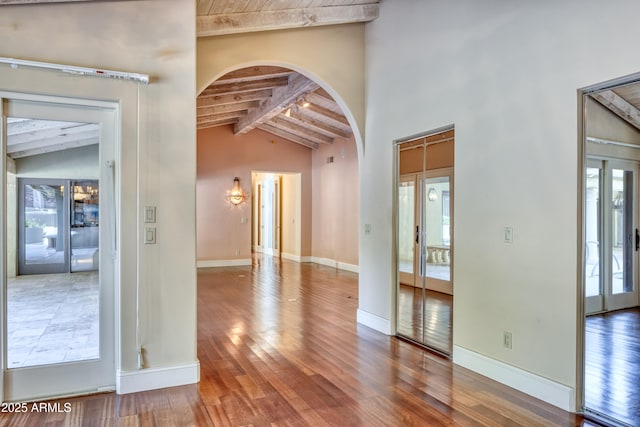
(612,239)
(73,360)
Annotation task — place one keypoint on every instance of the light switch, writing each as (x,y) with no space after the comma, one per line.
(508,234)
(367,229)
(149,214)
(150,236)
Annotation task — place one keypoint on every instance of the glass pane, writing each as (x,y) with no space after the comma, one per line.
(436,220)
(43,221)
(592,233)
(406,226)
(85,223)
(622,234)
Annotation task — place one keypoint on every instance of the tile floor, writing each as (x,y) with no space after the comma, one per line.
(52,318)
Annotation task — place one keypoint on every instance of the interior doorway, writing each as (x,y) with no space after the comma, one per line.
(610,318)
(276,213)
(59,280)
(424,235)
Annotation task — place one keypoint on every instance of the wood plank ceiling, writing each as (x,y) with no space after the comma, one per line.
(274,99)
(277,100)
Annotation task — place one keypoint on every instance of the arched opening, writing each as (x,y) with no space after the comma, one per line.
(274,122)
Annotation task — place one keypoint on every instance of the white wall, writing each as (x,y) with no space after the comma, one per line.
(156,160)
(506,74)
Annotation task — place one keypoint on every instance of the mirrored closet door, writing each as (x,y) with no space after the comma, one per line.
(424,237)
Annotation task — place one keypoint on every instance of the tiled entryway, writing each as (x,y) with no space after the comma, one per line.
(52,318)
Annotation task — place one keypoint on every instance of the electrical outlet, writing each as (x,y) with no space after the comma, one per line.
(507,340)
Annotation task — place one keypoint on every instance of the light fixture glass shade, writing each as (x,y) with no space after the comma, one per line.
(432,194)
(237,195)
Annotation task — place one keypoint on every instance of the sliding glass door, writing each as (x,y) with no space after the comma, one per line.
(612,238)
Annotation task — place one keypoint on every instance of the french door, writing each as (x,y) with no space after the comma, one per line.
(58,334)
(612,237)
(58,225)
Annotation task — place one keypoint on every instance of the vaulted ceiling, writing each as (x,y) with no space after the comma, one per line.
(277,100)
(623,101)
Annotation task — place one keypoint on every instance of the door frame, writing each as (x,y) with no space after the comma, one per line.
(69,378)
(582,94)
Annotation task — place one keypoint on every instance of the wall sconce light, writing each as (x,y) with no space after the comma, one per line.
(432,194)
(236,196)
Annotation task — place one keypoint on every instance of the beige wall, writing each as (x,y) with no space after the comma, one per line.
(322,197)
(336,202)
(506,74)
(156,158)
(223,156)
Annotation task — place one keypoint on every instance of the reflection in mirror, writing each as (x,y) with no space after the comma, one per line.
(424,236)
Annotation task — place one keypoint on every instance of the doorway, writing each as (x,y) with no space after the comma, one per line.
(277,214)
(610,302)
(424,233)
(59,334)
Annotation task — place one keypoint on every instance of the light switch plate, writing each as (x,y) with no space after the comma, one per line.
(149,214)
(508,234)
(150,236)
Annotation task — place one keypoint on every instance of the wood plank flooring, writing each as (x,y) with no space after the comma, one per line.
(279,345)
(426,317)
(612,364)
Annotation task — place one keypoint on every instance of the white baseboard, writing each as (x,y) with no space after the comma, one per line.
(202,263)
(539,387)
(335,264)
(374,322)
(155,378)
(296,258)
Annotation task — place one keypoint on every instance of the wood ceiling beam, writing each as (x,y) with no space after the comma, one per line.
(282,97)
(232,23)
(211,100)
(326,114)
(227,108)
(299,129)
(288,136)
(619,106)
(22,150)
(235,115)
(35,130)
(253,73)
(220,89)
(217,123)
(319,125)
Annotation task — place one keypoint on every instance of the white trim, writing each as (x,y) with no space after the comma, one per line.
(206,263)
(534,385)
(335,264)
(349,267)
(151,379)
(374,322)
(292,257)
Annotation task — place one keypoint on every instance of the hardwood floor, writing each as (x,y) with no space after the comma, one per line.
(279,344)
(612,364)
(427,321)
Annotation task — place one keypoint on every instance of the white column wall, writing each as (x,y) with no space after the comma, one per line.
(506,74)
